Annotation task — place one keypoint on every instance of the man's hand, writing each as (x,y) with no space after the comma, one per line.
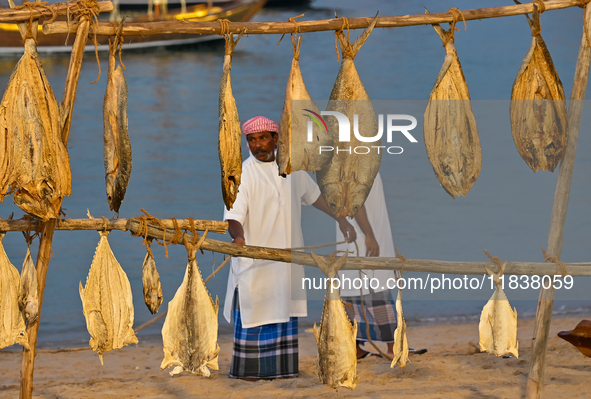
(239,240)
(347,229)
(372,246)
(236,232)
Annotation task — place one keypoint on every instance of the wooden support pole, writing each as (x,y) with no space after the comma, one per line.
(359,263)
(535,382)
(8,15)
(213,226)
(266,28)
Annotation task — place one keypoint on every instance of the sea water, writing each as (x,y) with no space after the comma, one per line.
(173,128)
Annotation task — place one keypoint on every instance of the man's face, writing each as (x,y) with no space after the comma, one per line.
(262,145)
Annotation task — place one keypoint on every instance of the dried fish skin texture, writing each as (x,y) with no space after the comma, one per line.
(294,151)
(107,302)
(450,132)
(151,284)
(117,147)
(28,293)
(498,323)
(190,330)
(36,164)
(336,337)
(12,323)
(229,149)
(400,342)
(346,181)
(538,110)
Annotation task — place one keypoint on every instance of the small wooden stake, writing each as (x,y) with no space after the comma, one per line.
(535,382)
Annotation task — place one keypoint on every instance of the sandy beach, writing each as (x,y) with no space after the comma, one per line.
(452,367)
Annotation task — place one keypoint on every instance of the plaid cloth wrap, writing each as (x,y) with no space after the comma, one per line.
(380,312)
(267,351)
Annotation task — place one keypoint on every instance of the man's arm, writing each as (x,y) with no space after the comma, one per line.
(236,232)
(371,245)
(346,228)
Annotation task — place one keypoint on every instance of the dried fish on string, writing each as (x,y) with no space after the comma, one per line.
(538,106)
(12,323)
(336,337)
(28,293)
(229,149)
(301,133)
(151,282)
(190,331)
(451,136)
(346,181)
(34,164)
(107,302)
(400,342)
(498,322)
(117,148)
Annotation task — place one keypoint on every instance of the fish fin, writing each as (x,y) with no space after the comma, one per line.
(361,39)
(329,270)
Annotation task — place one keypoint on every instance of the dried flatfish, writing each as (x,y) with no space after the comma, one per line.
(498,322)
(12,323)
(400,342)
(190,331)
(117,148)
(28,295)
(294,150)
(107,302)
(451,136)
(35,162)
(336,337)
(229,149)
(151,283)
(346,181)
(538,106)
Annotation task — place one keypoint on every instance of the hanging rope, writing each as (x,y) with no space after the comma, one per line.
(346,47)
(89,10)
(560,267)
(296,29)
(456,16)
(31,6)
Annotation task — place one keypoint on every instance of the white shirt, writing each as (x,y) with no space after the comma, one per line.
(269,208)
(377,215)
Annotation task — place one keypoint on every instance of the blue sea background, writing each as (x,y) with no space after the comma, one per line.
(173,128)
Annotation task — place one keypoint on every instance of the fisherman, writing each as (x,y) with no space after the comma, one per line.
(375,239)
(267,297)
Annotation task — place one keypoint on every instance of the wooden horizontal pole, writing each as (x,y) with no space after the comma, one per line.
(355,263)
(266,28)
(110,224)
(8,15)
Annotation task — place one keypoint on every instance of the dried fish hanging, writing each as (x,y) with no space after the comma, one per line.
(400,357)
(117,148)
(451,136)
(34,162)
(346,181)
(229,149)
(151,281)
(538,105)
(336,338)
(498,322)
(300,139)
(28,293)
(107,302)
(190,331)
(12,323)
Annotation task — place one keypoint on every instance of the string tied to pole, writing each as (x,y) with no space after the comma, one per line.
(31,6)
(346,47)
(560,267)
(89,10)
(117,44)
(456,16)
(296,30)
(224,26)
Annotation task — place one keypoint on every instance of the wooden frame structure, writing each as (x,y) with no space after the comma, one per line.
(84,26)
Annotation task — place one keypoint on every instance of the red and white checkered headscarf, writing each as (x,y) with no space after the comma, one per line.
(259,124)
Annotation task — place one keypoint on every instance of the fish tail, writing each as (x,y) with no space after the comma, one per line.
(329,270)
(361,39)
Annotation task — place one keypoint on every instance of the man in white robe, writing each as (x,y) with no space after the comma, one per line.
(265,296)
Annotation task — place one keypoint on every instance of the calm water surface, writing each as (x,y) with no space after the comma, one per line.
(173,119)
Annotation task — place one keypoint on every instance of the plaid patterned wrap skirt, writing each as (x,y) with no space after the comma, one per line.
(380,312)
(267,351)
